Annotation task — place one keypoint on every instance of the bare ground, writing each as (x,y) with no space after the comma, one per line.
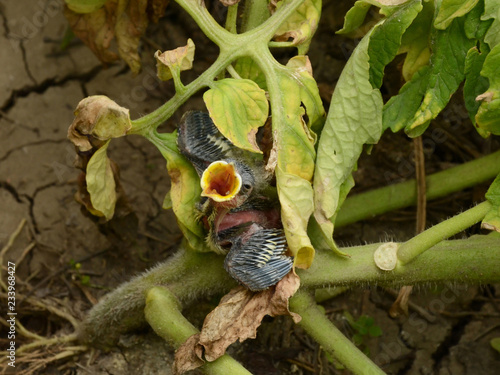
(448,329)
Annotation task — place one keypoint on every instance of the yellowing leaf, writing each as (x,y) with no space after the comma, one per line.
(238,107)
(184,192)
(84,6)
(301,25)
(174,61)
(101,183)
(451,9)
(296,196)
(247,68)
(99,117)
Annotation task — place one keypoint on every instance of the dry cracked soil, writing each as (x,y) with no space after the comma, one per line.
(66,260)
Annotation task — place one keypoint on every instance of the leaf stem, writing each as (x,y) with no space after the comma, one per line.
(376,202)
(329,337)
(231,47)
(430,237)
(232,16)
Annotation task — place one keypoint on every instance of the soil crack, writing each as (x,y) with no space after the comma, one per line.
(45,85)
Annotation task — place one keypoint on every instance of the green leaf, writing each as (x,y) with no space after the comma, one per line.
(488,114)
(492,219)
(185,191)
(355,17)
(495,343)
(475,28)
(238,108)
(399,110)
(354,119)
(475,84)
(247,68)
(101,183)
(171,63)
(386,39)
(301,25)
(451,9)
(446,72)
(416,42)
(492,10)
(357,339)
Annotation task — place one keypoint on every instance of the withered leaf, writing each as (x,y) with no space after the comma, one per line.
(95,30)
(131,24)
(100,118)
(174,61)
(240,313)
(125,20)
(188,356)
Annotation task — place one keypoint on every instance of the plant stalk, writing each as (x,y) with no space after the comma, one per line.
(376,202)
(190,275)
(319,327)
(439,232)
(163,313)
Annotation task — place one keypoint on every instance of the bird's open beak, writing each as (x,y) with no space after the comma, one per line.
(220,181)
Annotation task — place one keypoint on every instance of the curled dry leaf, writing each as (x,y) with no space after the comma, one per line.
(98,118)
(239,314)
(174,61)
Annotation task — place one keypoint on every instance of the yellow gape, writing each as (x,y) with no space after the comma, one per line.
(220,181)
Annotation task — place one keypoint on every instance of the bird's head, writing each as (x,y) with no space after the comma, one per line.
(227,182)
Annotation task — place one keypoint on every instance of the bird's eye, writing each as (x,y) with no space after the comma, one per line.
(247,186)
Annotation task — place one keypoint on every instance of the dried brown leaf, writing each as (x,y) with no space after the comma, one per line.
(188,356)
(156,9)
(240,313)
(125,20)
(97,118)
(95,29)
(131,23)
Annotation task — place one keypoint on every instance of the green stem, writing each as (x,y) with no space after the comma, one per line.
(163,313)
(190,275)
(256,12)
(231,47)
(430,237)
(376,202)
(154,119)
(316,324)
(232,16)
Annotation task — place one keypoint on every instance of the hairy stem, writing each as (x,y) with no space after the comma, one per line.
(367,205)
(329,337)
(191,275)
(430,237)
